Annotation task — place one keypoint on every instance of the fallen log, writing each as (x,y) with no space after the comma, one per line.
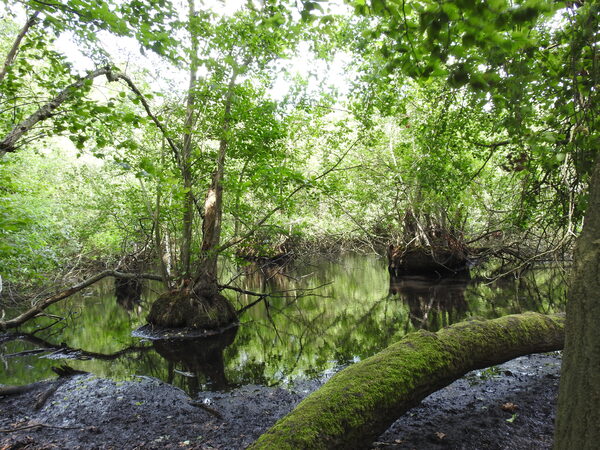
(362,401)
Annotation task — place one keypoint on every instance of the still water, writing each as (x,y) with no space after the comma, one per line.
(327,314)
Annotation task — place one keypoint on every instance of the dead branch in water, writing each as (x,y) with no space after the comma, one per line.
(262,296)
(65,351)
(40,306)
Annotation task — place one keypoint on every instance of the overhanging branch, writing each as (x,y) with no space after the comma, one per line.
(8,144)
(43,304)
(15,47)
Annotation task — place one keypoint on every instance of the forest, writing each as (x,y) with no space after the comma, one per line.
(299,224)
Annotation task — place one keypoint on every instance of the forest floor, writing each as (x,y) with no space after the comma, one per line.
(88,412)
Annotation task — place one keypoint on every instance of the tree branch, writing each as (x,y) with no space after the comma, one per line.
(43,304)
(15,47)
(114,76)
(9,142)
(492,148)
(363,400)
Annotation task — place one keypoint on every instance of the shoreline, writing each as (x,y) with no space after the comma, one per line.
(90,412)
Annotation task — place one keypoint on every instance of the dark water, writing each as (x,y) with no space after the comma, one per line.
(347,309)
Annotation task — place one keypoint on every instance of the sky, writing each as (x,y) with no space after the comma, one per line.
(126,55)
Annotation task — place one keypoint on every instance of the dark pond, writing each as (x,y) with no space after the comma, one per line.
(353,311)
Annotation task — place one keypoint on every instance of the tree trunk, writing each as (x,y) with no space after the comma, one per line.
(162,254)
(205,282)
(16,44)
(197,303)
(578,417)
(362,401)
(186,152)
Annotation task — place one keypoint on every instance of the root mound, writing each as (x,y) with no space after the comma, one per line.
(185,309)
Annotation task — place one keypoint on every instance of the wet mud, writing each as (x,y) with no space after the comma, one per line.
(509,406)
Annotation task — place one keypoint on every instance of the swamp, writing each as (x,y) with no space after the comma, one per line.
(279,224)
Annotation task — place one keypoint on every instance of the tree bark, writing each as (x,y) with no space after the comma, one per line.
(9,143)
(362,401)
(206,278)
(578,417)
(40,306)
(12,53)
(186,151)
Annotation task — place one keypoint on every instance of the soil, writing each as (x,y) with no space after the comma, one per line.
(88,412)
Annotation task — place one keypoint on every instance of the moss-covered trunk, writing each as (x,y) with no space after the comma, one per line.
(362,401)
(578,418)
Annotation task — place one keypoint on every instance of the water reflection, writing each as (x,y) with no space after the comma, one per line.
(197,360)
(269,276)
(128,292)
(295,333)
(433,302)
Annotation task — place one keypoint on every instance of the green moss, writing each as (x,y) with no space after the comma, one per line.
(361,401)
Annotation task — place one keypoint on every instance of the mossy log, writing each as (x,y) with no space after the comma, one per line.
(362,401)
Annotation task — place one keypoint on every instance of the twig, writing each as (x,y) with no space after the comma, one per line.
(489,233)
(58,320)
(250,305)
(27,352)
(279,294)
(240,290)
(206,408)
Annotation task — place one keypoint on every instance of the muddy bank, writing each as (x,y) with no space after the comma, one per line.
(505,407)
(88,412)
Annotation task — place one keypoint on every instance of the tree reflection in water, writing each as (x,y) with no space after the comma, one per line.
(319,316)
(197,359)
(433,302)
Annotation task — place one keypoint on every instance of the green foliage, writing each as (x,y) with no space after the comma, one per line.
(472,116)
(33,241)
(57,209)
(148,21)
(488,78)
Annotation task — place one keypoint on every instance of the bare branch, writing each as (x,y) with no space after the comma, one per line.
(42,305)
(250,305)
(262,296)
